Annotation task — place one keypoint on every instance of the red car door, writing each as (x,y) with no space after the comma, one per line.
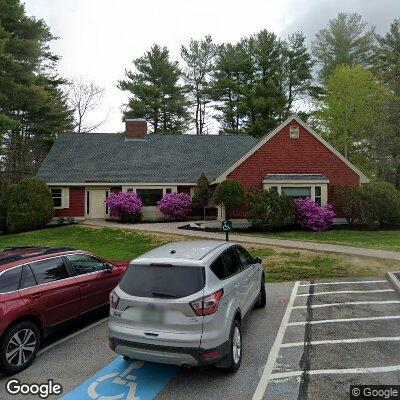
(95,280)
(56,295)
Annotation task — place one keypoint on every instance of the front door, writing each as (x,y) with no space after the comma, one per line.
(95,203)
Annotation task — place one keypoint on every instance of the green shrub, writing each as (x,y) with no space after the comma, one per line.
(29,206)
(229,194)
(380,204)
(351,200)
(4,200)
(270,211)
(370,204)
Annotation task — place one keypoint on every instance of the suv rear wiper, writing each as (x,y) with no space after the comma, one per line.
(165,295)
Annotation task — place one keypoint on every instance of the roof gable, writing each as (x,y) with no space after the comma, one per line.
(278,129)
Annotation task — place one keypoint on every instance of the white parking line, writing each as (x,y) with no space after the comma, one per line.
(328,321)
(50,346)
(373,370)
(341,283)
(340,341)
(345,291)
(273,354)
(348,303)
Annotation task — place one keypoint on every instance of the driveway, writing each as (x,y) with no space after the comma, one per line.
(172,229)
(312,341)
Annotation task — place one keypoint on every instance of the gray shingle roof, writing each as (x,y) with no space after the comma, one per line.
(295,177)
(108,157)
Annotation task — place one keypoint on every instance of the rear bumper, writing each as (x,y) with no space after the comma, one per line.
(193,356)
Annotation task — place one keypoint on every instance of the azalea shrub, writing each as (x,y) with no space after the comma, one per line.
(175,206)
(125,205)
(313,217)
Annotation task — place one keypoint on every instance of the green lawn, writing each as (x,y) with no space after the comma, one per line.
(386,239)
(124,244)
(113,244)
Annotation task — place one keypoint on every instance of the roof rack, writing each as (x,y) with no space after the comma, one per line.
(45,250)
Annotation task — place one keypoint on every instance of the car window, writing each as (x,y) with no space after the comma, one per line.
(170,281)
(232,264)
(27,280)
(84,264)
(244,256)
(9,280)
(218,267)
(50,270)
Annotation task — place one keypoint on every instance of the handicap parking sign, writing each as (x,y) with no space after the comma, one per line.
(226,225)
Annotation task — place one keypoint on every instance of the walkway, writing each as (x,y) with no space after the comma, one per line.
(171,228)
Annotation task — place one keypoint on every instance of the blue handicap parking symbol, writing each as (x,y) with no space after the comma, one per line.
(125,380)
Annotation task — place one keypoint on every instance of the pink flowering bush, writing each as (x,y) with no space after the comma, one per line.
(125,205)
(175,205)
(313,217)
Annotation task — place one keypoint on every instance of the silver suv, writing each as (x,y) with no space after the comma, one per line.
(184,303)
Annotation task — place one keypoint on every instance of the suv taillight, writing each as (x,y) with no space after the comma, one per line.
(114,299)
(208,304)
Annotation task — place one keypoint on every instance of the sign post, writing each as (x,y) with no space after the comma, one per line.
(226,226)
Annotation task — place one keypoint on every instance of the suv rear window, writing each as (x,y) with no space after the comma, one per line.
(169,282)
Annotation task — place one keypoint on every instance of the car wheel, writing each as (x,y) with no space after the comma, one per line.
(231,362)
(19,346)
(262,297)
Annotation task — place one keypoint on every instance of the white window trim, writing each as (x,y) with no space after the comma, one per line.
(64,197)
(322,184)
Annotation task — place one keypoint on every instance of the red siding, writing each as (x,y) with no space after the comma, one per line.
(305,155)
(76,204)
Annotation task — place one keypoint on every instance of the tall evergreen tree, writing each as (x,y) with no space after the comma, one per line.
(387,67)
(298,66)
(32,106)
(156,93)
(199,57)
(346,41)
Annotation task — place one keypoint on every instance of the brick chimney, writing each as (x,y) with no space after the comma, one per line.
(135,129)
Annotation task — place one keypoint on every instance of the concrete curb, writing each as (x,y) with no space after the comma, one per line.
(394,280)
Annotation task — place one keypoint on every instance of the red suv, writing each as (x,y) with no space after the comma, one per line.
(40,289)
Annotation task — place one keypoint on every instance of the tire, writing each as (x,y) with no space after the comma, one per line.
(27,333)
(262,299)
(231,362)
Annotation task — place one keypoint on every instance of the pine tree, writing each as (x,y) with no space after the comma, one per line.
(156,93)
(346,41)
(199,58)
(32,107)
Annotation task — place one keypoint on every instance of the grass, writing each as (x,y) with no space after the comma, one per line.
(376,239)
(280,264)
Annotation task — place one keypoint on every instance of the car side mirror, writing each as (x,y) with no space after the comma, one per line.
(257,260)
(108,268)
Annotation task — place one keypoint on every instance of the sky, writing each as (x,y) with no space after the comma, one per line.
(98,39)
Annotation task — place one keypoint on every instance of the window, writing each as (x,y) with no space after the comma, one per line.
(56,193)
(318,195)
(83,264)
(107,196)
(27,280)
(9,280)
(130,190)
(297,192)
(218,268)
(168,190)
(49,270)
(87,202)
(294,132)
(244,256)
(231,262)
(150,196)
(273,189)
(167,281)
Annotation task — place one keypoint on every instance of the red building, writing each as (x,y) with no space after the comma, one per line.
(83,170)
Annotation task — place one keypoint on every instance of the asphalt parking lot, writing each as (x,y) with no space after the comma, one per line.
(312,341)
